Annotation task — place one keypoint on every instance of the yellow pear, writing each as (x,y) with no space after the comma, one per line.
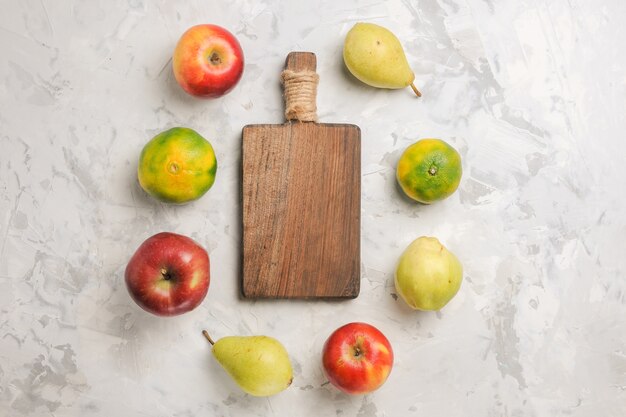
(428,275)
(375,56)
(258,364)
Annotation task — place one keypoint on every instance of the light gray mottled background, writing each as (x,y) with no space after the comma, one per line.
(531,92)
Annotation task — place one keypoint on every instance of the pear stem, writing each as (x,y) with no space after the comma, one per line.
(206,334)
(415,90)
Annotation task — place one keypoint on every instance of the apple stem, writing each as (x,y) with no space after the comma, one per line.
(415,90)
(215,58)
(166,275)
(206,334)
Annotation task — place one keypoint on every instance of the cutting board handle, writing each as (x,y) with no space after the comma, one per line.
(300,87)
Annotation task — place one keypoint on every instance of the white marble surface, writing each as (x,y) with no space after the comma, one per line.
(531,92)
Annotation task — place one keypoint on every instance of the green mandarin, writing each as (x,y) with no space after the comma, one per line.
(177,166)
(429,170)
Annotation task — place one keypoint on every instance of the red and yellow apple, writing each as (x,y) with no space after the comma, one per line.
(208,61)
(357,358)
(168,275)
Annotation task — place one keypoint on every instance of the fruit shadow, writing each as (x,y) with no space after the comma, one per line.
(128,322)
(402,309)
(140,197)
(406,199)
(220,382)
(349,77)
(143,200)
(173,90)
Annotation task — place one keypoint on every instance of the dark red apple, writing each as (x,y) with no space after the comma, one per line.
(168,275)
(357,358)
(208,61)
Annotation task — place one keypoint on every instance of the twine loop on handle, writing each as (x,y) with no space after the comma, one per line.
(300,92)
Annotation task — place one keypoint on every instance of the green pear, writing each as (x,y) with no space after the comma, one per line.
(375,56)
(428,275)
(259,364)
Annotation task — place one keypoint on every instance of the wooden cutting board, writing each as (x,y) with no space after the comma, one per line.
(301,197)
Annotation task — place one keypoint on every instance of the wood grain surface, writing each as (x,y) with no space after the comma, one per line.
(301,207)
